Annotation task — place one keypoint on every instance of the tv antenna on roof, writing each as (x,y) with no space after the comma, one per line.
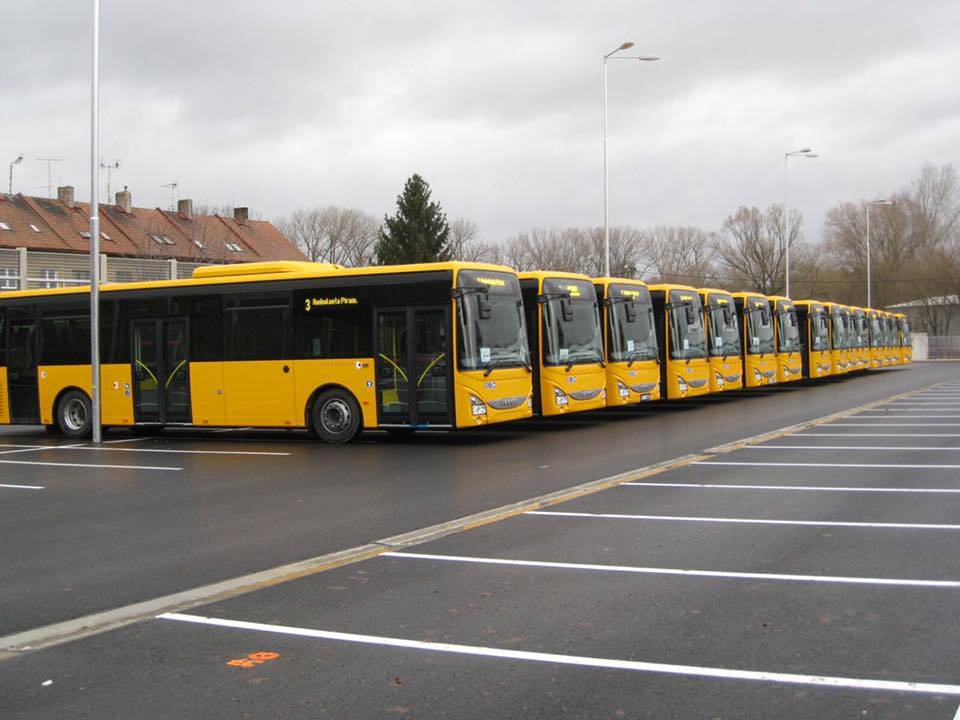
(173,194)
(49,162)
(109,167)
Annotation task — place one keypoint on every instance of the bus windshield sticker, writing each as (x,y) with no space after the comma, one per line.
(564,354)
(718,341)
(686,344)
(754,340)
(484,354)
(630,345)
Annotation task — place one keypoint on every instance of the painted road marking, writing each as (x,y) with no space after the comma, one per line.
(29,448)
(896,582)
(125,440)
(579,660)
(904,416)
(747,521)
(844,447)
(22,487)
(87,465)
(842,424)
(910,435)
(826,465)
(819,488)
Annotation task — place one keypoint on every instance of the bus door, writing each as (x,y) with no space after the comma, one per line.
(161,371)
(413,366)
(22,382)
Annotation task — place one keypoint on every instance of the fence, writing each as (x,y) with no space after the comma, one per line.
(21,269)
(943,347)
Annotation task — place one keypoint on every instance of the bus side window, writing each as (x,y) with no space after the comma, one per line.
(3,337)
(257,327)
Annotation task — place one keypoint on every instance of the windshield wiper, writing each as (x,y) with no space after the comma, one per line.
(579,358)
(497,362)
(634,355)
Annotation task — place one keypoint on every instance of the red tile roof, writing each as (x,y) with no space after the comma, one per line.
(139,233)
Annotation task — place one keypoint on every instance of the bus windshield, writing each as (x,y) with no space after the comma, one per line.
(491,326)
(860,330)
(571,323)
(839,331)
(724,332)
(905,330)
(876,332)
(819,331)
(686,326)
(630,324)
(760,327)
(789,332)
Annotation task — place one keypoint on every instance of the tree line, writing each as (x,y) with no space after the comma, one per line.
(914,241)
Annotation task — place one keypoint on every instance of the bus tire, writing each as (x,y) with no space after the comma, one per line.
(75,414)
(335,417)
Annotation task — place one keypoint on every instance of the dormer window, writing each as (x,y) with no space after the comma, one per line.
(4,226)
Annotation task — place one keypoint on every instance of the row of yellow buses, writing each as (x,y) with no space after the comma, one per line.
(435,346)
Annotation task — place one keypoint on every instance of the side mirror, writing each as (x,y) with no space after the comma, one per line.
(727,315)
(765,317)
(566,307)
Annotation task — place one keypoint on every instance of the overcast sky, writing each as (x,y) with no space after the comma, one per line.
(299,103)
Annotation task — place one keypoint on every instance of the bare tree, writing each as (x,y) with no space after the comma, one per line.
(679,254)
(751,247)
(344,236)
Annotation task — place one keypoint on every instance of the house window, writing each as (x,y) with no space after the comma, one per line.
(8,279)
(84,234)
(49,279)
(4,226)
(198,243)
(105,236)
(35,228)
(233,247)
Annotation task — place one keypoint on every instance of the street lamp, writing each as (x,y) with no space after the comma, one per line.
(95,228)
(606,228)
(806,153)
(874,202)
(15,162)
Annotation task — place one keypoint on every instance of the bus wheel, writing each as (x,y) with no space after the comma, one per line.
(336,416)
(75,414)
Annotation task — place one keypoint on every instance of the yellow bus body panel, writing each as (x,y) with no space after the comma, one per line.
(356,375)
(511,388)
(642,380)
(695,375)
(4,402)
(206,394)
(819,363)
(260,393)
(906,355)
(766,365)
(730,370)
(581,378)
(789,367)
(116,394)
(838,362)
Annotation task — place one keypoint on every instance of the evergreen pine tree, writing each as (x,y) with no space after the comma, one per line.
(418,232)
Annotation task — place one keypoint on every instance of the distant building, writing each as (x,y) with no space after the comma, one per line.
(46,242)
(936,316)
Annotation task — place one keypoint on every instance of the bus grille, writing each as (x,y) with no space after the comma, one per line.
(584,394)
(645,388)
(769,373)
(732,378)
(507,403)
(697,383)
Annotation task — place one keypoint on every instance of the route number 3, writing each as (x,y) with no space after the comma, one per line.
(253,659)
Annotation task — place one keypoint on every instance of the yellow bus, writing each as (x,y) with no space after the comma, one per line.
(684,371)
(839,342)
(814,338)
(276,344)
(566,343)
(786,335)
(892,345)
(723,339)
(759,351)
(859,339)
(875,326)
(906,341)
(629,340)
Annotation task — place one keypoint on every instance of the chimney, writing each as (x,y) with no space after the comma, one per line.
(185,209)
(241,215)
(65,195)
(124,200)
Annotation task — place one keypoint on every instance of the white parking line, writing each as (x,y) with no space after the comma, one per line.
(844,447)
(22,487)
(957,716)
(29,448)
(86,465)
(747,521)
(578,660)
(846,424)
(897,435)
(126,440)
(32,448)
(834,579)
(827,465)
(818,488)
(904,416)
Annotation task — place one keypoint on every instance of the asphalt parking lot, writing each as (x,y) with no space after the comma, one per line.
(811,574)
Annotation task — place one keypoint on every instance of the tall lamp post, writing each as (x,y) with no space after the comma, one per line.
(606,228)
(873,202)
(95,228)
(802,152)
(15,162)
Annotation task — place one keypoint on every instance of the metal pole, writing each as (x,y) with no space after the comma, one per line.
(868,257)
(11,179)
(786,225)
(95,227)
(606,229)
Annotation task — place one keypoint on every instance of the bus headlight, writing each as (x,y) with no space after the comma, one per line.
(560,397)
(757,376)
(719,380)
(477,406)
(622,390)
(681,384)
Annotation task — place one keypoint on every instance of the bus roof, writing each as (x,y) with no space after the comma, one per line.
(541,275)
(261,272)
(743,294)
(666,287)
(606,281)
(713,291)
